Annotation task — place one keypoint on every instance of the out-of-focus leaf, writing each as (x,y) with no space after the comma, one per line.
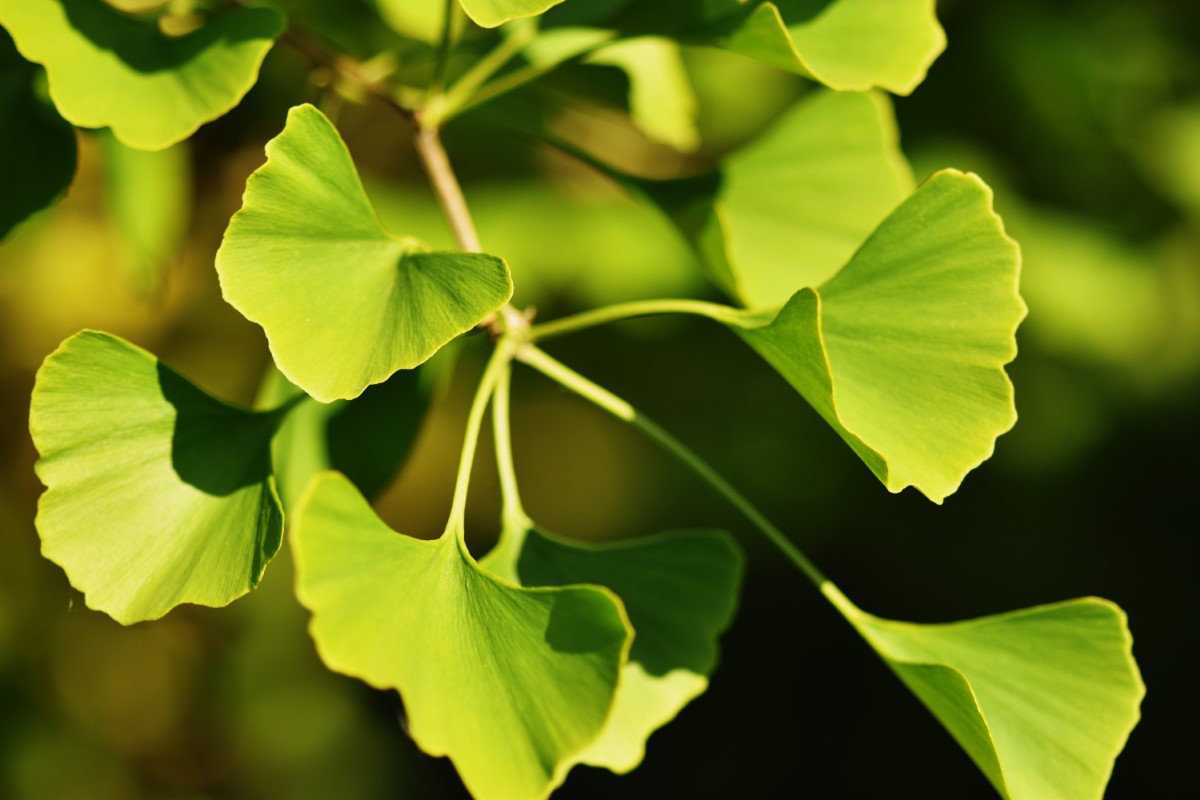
(343,302)
(157,494)
(493,13)
(109,69)
(37,147)
(680,591)
(1041,699)
(661,101)
(511,683)
(418,19)
(149,195)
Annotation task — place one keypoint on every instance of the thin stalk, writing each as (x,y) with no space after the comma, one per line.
(446,187)
(442,62)
(620,409)
(512,507)
(639,308)
(496,366)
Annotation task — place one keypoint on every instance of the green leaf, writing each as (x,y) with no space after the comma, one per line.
(366,439)
(344,303)
(848,45)
(37,148)
(797,202)
(510,683)
(492,13)
(109,69)
(680,591)
(149,195)
(156,493)
(1042,699)
(418,19)
(903,351)
(661,101)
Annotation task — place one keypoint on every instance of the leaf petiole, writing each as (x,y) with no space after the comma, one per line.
(639,308)
(619,408)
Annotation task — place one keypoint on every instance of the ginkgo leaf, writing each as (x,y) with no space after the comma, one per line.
(37,147)
(156,493)
(511,683)
(903,351)
(680,591)
(1041,699)
(110,69)
(493,13)
(343,302)
(848,45)
(797,202)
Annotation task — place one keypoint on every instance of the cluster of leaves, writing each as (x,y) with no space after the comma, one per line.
(891,309)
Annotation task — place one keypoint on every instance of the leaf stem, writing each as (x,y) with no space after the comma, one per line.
(442,61)
(464,91)
(497,364)
(639,308)
(567,377)
(513,510)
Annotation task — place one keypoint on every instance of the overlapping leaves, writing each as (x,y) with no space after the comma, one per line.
(109,69)
(511,683)
(680,590)
(157,494)
(903,351)
(1041,699)
(343,302)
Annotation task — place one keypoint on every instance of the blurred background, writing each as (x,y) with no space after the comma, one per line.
(1084,117)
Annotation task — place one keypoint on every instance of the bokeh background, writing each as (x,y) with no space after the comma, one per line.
(1085,118)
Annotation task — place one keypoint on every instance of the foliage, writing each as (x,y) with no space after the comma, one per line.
(892,310)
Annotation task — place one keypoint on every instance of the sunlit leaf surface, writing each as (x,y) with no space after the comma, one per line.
(1042,699)
(680,591)
(903,351)
(344,303)
(848,45)
(491,13)
(511,683)
(157,494)
(110,69)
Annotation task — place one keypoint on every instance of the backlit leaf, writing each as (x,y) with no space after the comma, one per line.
(661,102)
(1041,699)
(37,148)
(511,683)
(491,13)
(344,303)
(156,493)
(903,351)
(680,591)
(848,45)
(109,69)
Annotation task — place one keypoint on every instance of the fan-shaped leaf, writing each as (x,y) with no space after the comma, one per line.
(109,69)
(157,494)
(510,683)
(680,591)
(1042,699)
(37,148)
(848,45)
(791,207)
(344,303)
(903,351)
